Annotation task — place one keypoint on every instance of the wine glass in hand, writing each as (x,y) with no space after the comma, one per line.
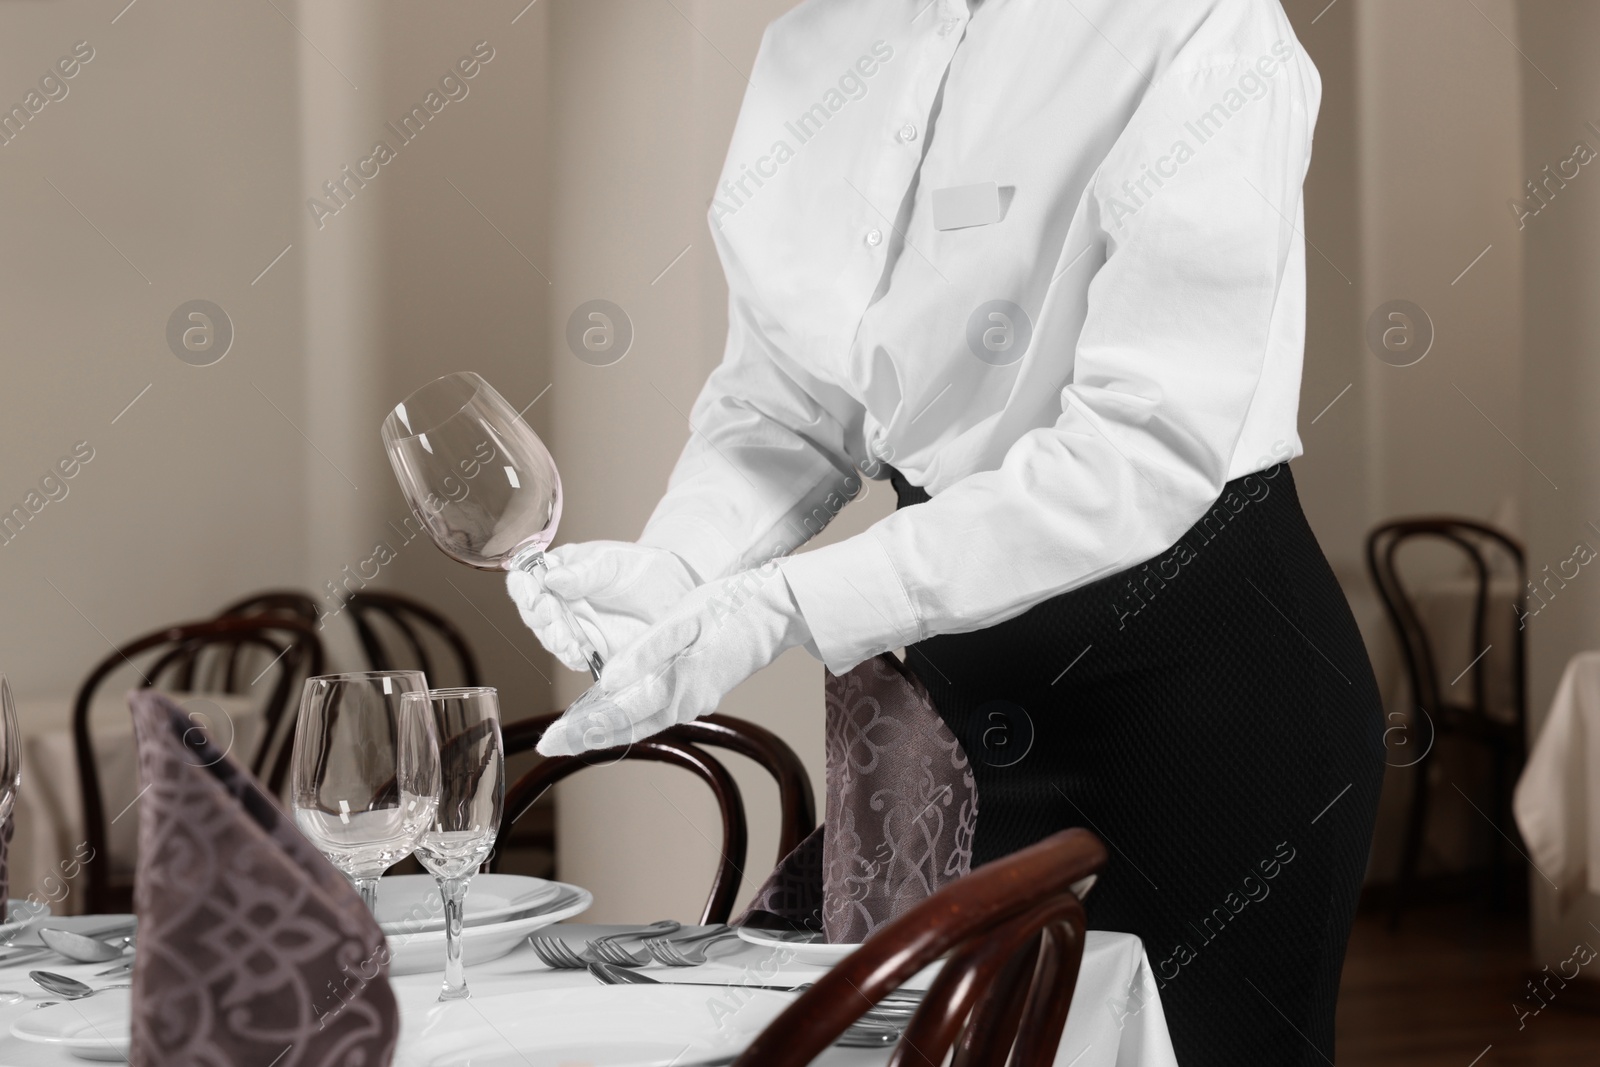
(471,791)
(477,477)
(366,771)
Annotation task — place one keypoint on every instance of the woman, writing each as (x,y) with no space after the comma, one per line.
(1040,264)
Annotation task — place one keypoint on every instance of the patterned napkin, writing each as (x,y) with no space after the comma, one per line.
(252,948)
(901,807)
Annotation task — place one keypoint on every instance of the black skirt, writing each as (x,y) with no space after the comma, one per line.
(1212,716)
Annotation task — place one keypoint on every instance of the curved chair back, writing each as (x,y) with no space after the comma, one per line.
(522,795)
(1013,931)
(1476,542)
(274,602)
(797,804)
(177,656)
(683,746)
(398,633)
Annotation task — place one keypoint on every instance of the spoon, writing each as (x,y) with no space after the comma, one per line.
(81,949)
(67,988)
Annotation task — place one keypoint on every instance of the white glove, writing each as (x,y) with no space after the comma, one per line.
(614,590)
(715,638)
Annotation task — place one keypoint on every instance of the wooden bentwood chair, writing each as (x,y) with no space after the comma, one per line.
(1501,731)
(220,655)
(682,746)
(397,633)
(1013,931)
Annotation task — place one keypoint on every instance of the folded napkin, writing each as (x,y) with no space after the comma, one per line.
(253,949)
(901,807)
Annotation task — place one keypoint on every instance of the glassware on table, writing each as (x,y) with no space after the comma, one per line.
(471,791)
(366,771)
(477,477)
(10,752)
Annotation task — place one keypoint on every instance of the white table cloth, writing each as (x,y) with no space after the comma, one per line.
(1115,1021)
(1557,802)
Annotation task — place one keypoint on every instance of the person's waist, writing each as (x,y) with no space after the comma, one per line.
(907,494)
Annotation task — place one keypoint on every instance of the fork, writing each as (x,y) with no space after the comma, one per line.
(558,955)
(686,951)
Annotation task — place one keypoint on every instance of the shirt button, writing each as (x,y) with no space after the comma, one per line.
(874,238)
(947,25)
(908,132)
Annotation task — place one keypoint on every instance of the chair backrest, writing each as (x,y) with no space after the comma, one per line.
(274,602)
(1478,543)
(525,791)
(398,633)
(797,803)
(1013,931)
(684,746)
(176,657)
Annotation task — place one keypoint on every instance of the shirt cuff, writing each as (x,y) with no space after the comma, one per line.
(853,601)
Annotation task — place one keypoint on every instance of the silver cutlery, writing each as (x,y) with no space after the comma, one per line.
(26,953)
(116,972)
(656,929)
(875,1028)
(613,953)
(687,951)
(558,955)
(82,949)
(67,988)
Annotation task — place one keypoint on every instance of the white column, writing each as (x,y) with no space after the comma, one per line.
(340,112)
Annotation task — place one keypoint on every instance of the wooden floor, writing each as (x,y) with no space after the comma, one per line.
(1440,993)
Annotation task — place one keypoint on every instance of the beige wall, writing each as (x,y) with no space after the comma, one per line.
(180,143)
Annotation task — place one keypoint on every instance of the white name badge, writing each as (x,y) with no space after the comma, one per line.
(961,206)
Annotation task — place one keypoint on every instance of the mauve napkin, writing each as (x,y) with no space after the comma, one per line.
(902,803)
(252,948)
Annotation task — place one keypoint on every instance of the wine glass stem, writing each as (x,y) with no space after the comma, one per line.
(368,888)
(535,561)
(454,892)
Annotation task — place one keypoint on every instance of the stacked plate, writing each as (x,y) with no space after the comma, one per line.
(501,910)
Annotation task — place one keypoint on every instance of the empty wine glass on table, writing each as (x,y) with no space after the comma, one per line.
(471,791)
(477,477)
(366,771)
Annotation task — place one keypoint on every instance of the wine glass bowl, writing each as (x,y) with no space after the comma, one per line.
(366,771)
(477,478)
(474,473)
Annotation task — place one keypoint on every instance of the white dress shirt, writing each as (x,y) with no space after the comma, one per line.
(1149,157)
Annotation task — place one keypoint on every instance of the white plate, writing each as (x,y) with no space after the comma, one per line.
(95,1028)
(20,914)
(424,952)
(597,1026)
(410,904)
(803,946)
